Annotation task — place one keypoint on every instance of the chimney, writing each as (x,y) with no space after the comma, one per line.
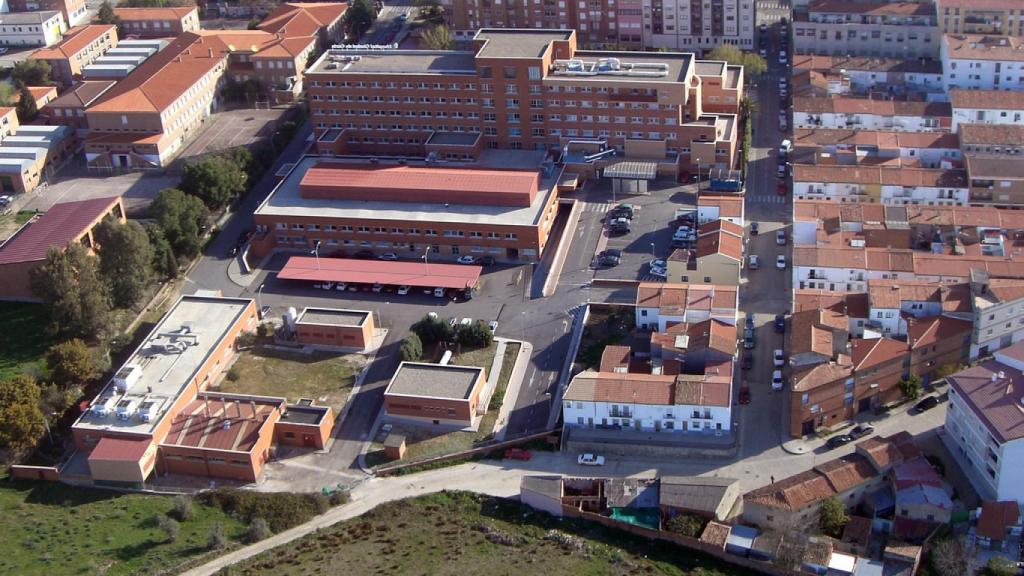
(994,377)
(209,52)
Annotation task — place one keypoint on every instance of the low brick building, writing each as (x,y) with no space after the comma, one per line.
(436,394)
(335,327)
(81,46)
(305,425)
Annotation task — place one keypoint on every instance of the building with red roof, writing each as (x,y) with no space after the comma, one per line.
(166,22)
(81,46)
(58,227)
(501,207)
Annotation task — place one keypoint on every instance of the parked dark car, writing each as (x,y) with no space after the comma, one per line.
(780,323)
(749,323)
(925,404)
(748,340)
(748,361)
(744,395)
(619,226)
(861,431)
(610,257)
(753,229)
(622,211)
(837,441)
(488,261)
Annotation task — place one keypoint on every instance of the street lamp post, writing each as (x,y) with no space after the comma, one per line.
(316,254)
(426,259)
(259,302)
(652,250)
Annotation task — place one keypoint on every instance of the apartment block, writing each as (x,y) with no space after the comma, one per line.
(81,46)
(901,30)
(850,146)
(73,11)
(998,313)
(982,62)
(999,107)
(861,75)
(678,26)
(529,90)
(158,22)
(448,211)
(851,112)
(22,29)
(894,185)
(983,423)
(980,17)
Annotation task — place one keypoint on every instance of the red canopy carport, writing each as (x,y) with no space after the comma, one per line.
(427,275)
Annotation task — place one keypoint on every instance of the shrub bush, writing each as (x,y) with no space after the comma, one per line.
(182,509)
(280,510)
(258,530)
(169,526)
(217,540)
(233,374)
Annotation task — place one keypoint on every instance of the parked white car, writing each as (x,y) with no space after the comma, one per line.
(403,290)
(777,380)
(780,359)
(590,460)
(753,262)
(780,262)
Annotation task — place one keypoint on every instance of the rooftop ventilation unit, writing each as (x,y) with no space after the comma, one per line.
(127,376)
(102,407)
(126,408)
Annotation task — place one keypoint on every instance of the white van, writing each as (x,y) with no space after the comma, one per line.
(439,292)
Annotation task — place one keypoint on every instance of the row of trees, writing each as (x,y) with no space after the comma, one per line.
(430,331)
(24,74)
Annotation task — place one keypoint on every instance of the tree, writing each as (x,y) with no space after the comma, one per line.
(947,557)
(7,92)
(106,15)
(258,530)
(437,38)
(753,65)
(181,510)
(411,347)
(31,73)
(26,109)
(432,330)
(948,370)
(217,540)
(359,17)
(54,399)
(832,516)
(476,334)
(21,420)
(686,525)
(216,180)
(164,264)
(72,363)
(1000,566)
(181,217)
(69,282)
(169,526)
(126,258)
(911,386)
(431,11)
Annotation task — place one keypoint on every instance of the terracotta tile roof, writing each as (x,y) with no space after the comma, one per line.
(159,81)
(75,40)
(996,518)
(720,240)
(693,392)
(923,332)
(260,44)
(850,304)
(995,400)
(120,449)
(995,134)
(857,530)
(915,471)
(82,94)
(169,13)
(870,8)
(614,357)
(720,225)
(876,351)
(829,257)
(1005,290)
(675,298)
(715,335)
(809,378)
(891,293)
(303,19)
(987,99)
(729,206)
(880,175)
(222,423)
(818,137)
(715,534)
(983,47)
(855,105)
(61,224)
(885,452)
(971,5)
(822,481)
(850,63)
(616,387)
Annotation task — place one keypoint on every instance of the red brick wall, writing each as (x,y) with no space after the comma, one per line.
(354,336)
(320,433)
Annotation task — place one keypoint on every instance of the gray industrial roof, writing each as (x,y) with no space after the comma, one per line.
(434,380)
(698,493)
(518,43)
(333,316)
(395,62)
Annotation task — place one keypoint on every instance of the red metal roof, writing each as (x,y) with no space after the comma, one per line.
(421,184)
(429,275)
(121,449)
(61,224)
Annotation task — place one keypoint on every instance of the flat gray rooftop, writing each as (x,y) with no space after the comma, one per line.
(166,361)
(340,61)
(517,43)
(333,317)
(434,380)
(287,200)
(678,66)
(311,415)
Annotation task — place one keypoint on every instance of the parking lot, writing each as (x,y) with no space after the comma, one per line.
(651,229)
(232,128)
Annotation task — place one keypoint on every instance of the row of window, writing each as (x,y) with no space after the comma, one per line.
(396,231)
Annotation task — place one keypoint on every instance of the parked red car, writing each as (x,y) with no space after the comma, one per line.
(517,454)
(783,188)
(744,396)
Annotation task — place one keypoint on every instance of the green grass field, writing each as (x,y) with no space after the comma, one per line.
(459,533)
(326,379)
(51,528)
(23,341)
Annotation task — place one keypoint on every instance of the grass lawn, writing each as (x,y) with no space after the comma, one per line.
(23,339)
(604,328)
(326,378)
(422,442)
(459,533)
(50,528)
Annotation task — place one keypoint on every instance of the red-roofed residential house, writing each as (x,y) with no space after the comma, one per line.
(58,227)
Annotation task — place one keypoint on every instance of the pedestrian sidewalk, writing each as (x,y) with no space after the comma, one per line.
(898,420)
(515,383)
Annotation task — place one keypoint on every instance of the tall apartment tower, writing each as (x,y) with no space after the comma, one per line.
(673,24)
